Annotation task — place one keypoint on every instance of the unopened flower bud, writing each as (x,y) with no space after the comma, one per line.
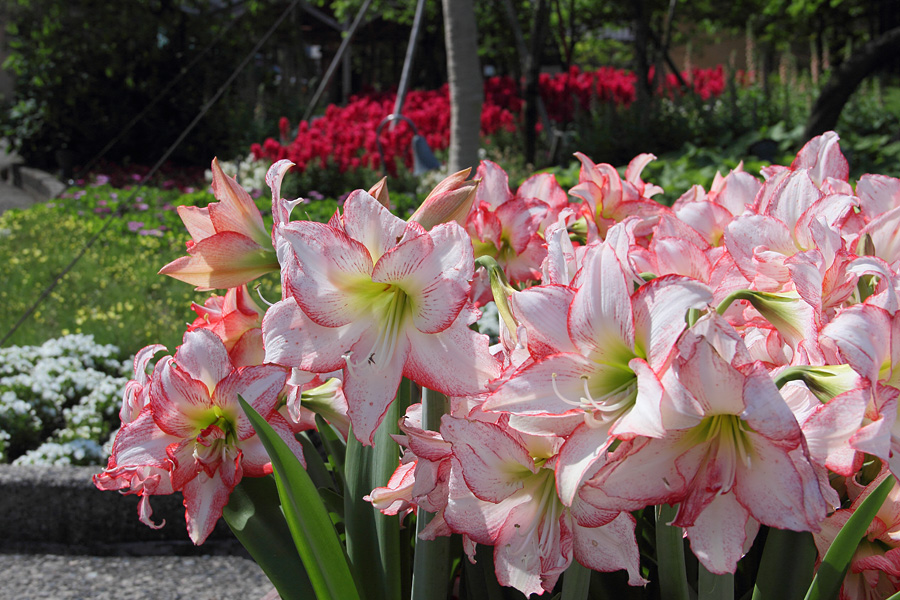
(450,200)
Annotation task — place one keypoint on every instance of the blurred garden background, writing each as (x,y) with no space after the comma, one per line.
(128,103)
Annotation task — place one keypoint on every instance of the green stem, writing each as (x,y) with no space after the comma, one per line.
(431,565)
(714,587)
(787,565)
(576,582)
(670,554)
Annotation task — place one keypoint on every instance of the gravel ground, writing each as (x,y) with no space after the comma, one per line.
(66,577)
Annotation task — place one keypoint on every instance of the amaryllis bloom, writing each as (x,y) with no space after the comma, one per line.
(609,199)
(230,245)
(502,492)
(733,455)
(193,436)
(237,320)
(599,352)
(379,298)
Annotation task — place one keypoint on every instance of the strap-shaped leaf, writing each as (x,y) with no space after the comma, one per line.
(254,514)
(830,576)
(312,530)
(786,567)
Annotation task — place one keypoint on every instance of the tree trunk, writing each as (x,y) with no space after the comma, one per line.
(845,79)
(532,77)
(466,83)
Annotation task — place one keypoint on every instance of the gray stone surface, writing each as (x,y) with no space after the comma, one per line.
(61,538)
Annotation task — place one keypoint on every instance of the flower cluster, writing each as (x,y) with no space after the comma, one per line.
(718,355)
(58,401)
(345,136)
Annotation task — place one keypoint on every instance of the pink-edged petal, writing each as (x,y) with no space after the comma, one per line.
(600,317)
(680,257)
(142,443)
(578,459)
(521,219)
(829,429)
(645,415)
(224,260)
(333,270)
(196,221)
(456,361)
(203,357)
(529,554)
(494,186)
(718,535)
(771,489)
(877,194)
(281,209)
(852,331)
(204,499)
(255,459)
(544,186)
(292,339)
(467,514)
(493,463)
(249,349)
(235,210)
(822,155)
(433,270)
(660,307)
(370,385)
(368,222)
(748,232)
(610,547)
(181,405)
(543,311)
(259,386)
(552,385)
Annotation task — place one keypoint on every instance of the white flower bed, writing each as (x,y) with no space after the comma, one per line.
(59,402)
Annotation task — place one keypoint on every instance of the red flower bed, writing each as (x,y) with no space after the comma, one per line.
(344,137)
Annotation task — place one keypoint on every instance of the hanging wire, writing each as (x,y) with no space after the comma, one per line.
(203,110)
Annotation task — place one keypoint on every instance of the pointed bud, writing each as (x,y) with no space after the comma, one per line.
(451,200)
(379,191)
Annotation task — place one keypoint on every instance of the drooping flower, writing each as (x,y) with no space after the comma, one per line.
(229,244)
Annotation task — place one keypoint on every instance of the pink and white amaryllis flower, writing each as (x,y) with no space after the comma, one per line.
(230,245)
(609,199)
(599,353)
(194,432)
(502,493)
(237,320)
(379,298)
(733,455)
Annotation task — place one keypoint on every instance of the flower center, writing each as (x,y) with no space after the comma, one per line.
(728,445)
(616,398)
(390,310)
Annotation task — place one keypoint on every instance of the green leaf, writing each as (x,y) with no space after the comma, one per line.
(711,586)
(787,565)
(830,576)
(431,564)
(359,517)
(670,554)
(576,582)
(312,530)
(254,515)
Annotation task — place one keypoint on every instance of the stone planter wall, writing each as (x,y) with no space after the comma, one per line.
(58,509)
